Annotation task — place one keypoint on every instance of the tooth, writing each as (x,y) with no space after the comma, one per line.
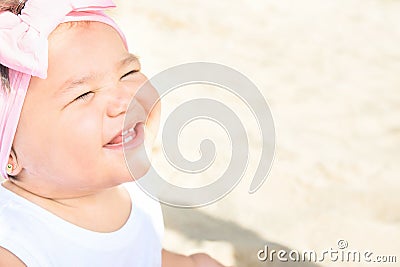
(125,132)
(131,129)
(129,138)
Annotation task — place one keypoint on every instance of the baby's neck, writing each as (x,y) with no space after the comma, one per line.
(103,211)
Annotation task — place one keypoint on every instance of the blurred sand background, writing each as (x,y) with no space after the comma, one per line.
(330,73)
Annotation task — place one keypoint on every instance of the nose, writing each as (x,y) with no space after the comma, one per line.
(119,100)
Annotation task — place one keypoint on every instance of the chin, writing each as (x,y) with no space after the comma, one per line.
(138,164)
(137,172)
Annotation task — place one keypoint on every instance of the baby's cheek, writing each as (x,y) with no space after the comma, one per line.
(33,137)
(147,95)
(80,135)
(153,121)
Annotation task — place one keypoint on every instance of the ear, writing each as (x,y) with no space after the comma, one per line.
(16,168)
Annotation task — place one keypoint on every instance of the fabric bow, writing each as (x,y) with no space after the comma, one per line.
(23,38)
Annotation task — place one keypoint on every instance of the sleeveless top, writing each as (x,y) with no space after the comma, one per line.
(41,239)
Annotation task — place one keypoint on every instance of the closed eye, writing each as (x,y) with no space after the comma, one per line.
(129,73)
(84,96)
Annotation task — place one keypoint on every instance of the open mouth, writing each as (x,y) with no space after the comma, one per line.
(128,138)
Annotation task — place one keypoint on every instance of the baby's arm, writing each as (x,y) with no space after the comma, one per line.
(9,259)
(170,259)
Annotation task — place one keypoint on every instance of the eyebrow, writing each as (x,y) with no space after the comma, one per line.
(128,60)
(75,82)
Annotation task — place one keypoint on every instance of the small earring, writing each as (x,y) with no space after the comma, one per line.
(9,168)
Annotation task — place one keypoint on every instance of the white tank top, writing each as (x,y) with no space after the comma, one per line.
(41,239)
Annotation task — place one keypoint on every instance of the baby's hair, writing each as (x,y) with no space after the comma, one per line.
(14,6)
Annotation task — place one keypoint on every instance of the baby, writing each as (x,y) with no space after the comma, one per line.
(67,81)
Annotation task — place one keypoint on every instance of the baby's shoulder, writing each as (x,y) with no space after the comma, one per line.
(11,212)
(143,204)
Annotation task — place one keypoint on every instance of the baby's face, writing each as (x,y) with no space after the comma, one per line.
(68,139)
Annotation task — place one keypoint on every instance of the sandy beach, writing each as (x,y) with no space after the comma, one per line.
(330,73)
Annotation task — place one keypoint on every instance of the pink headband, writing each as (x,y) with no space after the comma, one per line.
(24,50)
